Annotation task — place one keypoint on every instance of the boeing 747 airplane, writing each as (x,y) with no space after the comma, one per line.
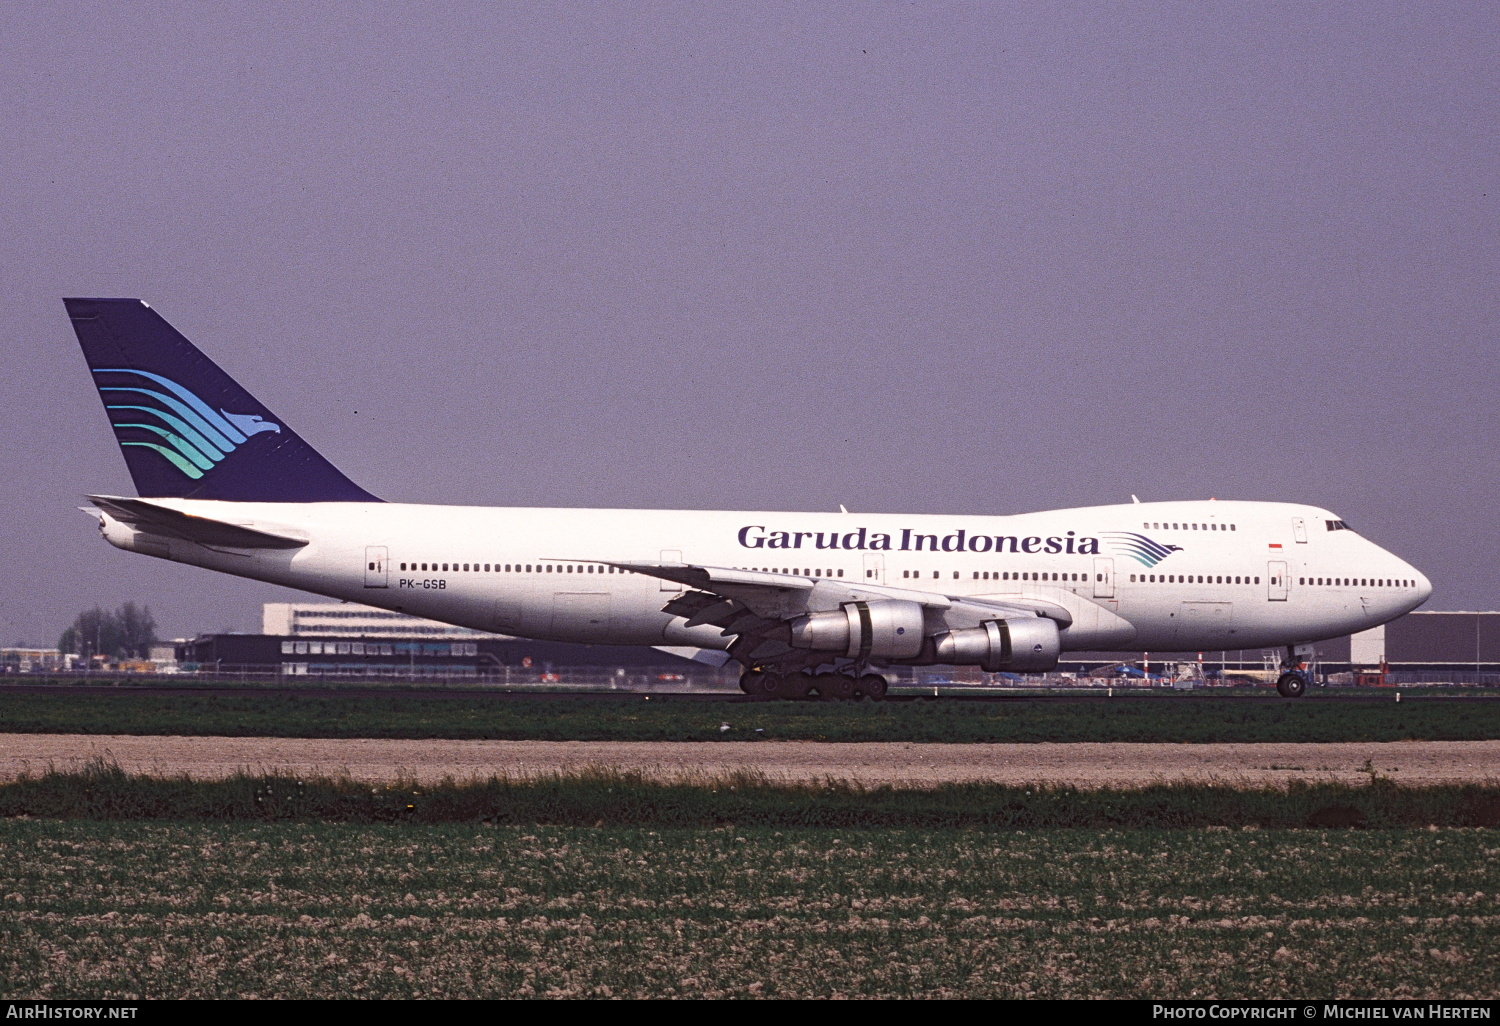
(804,602)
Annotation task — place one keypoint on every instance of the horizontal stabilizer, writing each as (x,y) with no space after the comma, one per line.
(154,519)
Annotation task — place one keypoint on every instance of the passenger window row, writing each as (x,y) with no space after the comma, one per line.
(511,568)
(1355,582)
(987,575)
(1006,575)
(999,575)
(798,571)
(1164,526)
(1192,579)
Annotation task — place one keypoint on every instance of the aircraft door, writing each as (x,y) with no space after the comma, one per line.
(377,567)
(1104,577)
(1299,530)
(1276,581)
(874,568)
(671,556)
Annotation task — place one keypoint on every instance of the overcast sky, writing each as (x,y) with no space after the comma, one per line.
(931,257)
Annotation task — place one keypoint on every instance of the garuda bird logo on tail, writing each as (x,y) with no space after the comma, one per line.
(186,431)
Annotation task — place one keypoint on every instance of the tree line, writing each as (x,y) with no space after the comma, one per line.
(126,633)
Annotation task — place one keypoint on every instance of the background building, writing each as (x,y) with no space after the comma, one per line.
(348,620)
(345,639)
(34,660)
(1432,643)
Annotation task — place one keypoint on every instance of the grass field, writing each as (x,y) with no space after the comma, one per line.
(606,797)
(125,910)
(418,715)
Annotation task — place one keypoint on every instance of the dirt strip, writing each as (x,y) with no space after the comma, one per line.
(1085,765)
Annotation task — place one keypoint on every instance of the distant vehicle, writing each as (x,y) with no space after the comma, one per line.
(801,600)
(1136,673)
(670,676)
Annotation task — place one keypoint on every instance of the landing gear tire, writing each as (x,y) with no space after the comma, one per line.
(835,685)
(759,684)
(872,686)
(795,685)
(1291,685)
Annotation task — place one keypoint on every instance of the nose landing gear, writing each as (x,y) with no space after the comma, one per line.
(1295,676)
(1291,684)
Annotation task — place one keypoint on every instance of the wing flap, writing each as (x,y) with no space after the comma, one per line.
(704,577)
(706,656)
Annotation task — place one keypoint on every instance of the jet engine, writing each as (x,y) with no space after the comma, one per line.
(865,630)
(1029,645)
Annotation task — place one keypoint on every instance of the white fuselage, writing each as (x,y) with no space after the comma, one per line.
(1175,576)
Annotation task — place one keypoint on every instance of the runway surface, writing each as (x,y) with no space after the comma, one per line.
(1084,764)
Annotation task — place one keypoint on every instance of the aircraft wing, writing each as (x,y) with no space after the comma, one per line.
(147,516)
(758,606)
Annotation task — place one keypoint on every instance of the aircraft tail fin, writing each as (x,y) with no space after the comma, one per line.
(187,429)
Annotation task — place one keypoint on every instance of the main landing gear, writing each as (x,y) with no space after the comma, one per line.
(764,683)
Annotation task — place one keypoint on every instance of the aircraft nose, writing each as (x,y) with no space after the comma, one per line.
(1423,590)
(1424,586)
(1410,599)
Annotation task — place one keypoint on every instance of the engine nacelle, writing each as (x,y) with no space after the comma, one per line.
(863,630)
(1029,645)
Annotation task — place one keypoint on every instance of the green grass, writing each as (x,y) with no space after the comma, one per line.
(137,910)
(603,797)
(419,715)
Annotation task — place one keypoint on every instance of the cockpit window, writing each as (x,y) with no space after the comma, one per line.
(1338,525)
